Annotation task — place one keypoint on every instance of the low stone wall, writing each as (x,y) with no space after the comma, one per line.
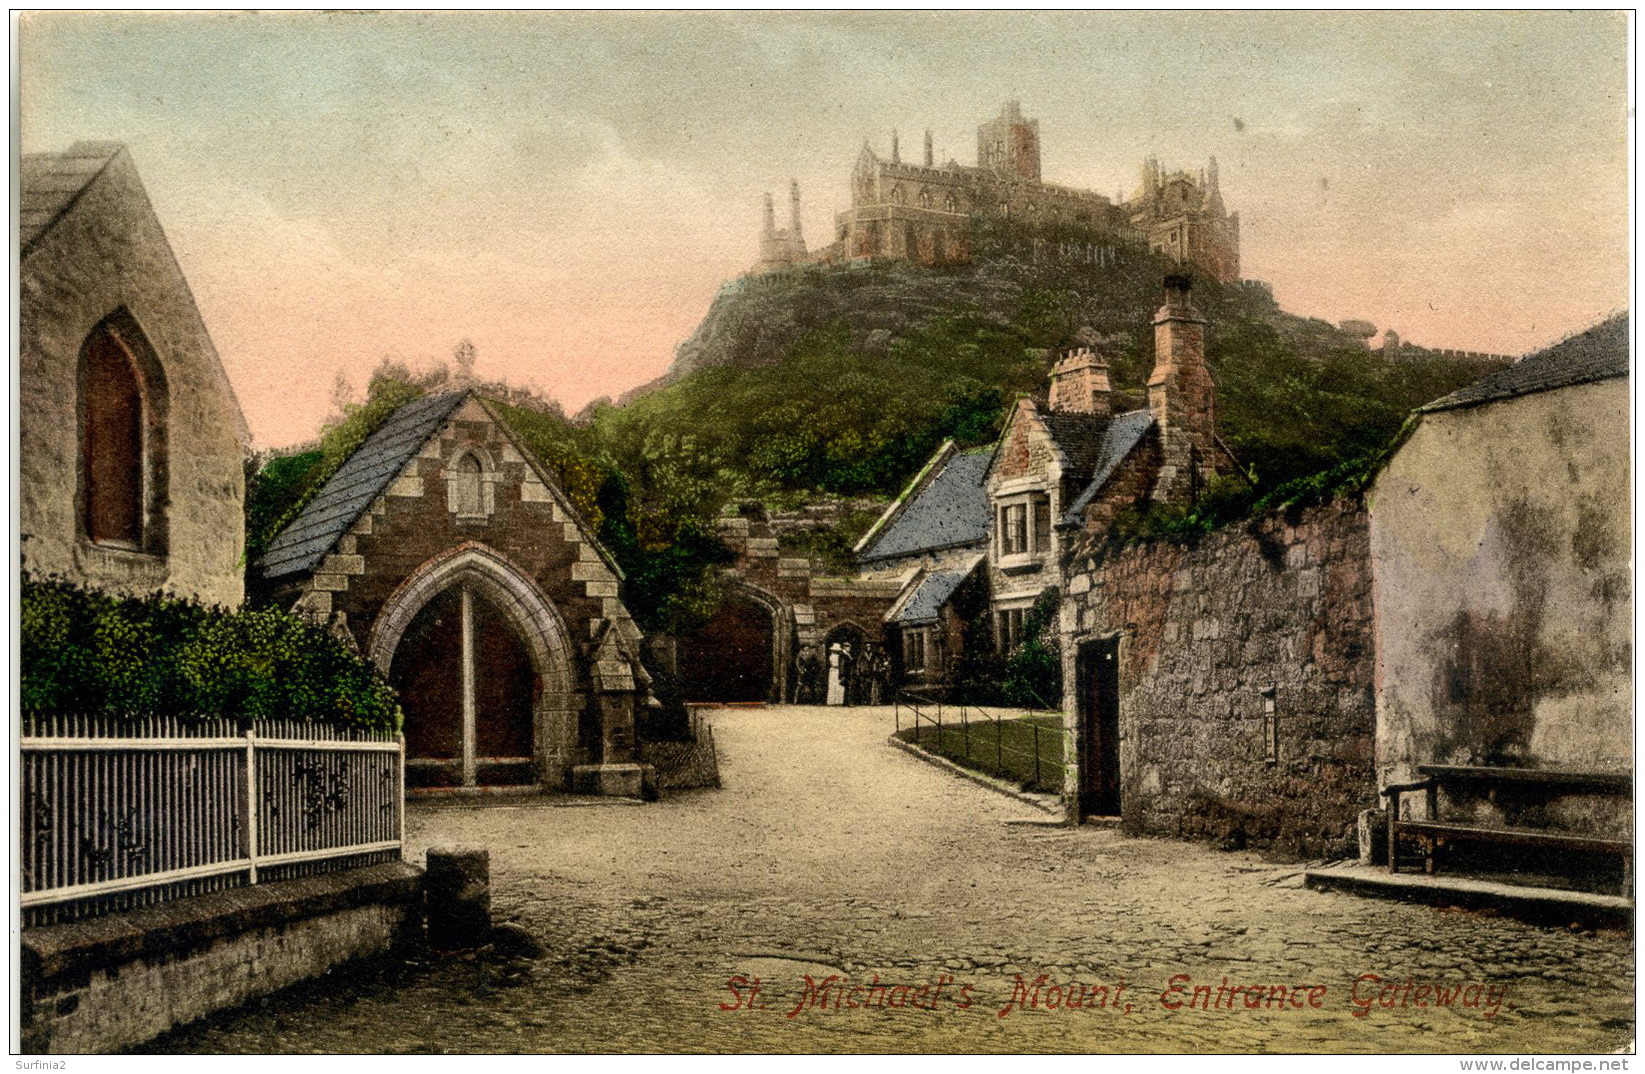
(115,981)
(1247,715)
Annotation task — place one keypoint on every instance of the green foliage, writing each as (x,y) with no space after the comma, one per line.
(828,418)
(85,652)
(1033,670)
(1029,676)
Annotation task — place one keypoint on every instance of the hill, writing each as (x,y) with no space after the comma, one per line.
(842,379)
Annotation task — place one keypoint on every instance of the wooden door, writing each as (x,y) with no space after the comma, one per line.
(1099,720)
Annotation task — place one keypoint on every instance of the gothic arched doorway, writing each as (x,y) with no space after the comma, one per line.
(481,662)
(468,692)
(730,658)
(846,663)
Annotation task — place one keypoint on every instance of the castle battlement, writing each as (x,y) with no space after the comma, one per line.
(925,212)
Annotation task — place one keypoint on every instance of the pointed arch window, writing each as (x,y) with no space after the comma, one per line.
(469,485)
(122,439)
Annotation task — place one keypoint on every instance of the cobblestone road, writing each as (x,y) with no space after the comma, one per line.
(829,852)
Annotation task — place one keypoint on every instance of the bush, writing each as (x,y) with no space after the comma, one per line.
(85,652)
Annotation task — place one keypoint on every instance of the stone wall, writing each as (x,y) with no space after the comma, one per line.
(1501,537)
(804,608)
(1277,611)
(107,255)
(112,982)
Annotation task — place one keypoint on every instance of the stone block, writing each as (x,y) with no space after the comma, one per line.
(406,486)
(613,780)
(340,564)
(532,491)
(1373,837)
(600,588)
(458,882)
(336,583)
(590,572)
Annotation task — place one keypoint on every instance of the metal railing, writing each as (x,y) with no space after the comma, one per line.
(946,728)
(122,813)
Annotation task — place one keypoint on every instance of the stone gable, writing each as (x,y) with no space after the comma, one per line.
(105,259)
(543,565)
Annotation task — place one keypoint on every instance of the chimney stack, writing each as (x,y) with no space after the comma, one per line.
(1182,396)
(1079,383)
(770,215)
(930,157)
(896,155)
(794,207)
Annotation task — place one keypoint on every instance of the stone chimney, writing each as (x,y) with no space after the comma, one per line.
(794,208)
(770,217)
(1182,397)
(929,155)
(1079,383)
(896,152)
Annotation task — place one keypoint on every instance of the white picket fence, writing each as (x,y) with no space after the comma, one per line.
(121,813)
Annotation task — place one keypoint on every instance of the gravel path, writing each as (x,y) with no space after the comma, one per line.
(830,853)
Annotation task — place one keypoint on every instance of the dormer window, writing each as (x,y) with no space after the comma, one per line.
(1022,529)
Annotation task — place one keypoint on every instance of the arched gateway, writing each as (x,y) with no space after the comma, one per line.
(745,652)
(483,666)
(452,559)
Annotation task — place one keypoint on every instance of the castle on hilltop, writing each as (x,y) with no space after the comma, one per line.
(925,212)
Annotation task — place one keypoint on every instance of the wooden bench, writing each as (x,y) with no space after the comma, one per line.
(1434,834)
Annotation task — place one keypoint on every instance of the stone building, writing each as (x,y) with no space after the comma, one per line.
(924,212)
(1065,467)
(784,632)
(1501,542)
(131,471)
(1222,691)
(451,559)
(933,541)
(785,248)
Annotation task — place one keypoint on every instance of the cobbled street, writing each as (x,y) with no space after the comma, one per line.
(829,852)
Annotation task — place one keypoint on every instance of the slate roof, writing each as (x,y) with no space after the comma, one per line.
(928,597)
(1600,353)
(301,546)
(1080,436)
(51,182)
(951,510)
(1120,437)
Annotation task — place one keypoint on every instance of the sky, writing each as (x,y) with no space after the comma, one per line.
(569,190)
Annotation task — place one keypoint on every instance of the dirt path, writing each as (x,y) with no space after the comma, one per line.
(828,852)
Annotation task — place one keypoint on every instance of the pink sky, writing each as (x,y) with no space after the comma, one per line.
(569,190)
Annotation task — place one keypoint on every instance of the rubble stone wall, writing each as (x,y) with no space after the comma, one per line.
(1259,637)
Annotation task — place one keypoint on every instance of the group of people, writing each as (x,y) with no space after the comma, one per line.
(847,678)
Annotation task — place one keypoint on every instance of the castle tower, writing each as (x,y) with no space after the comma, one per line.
(1010,144)
(1182,397)
(1079,383)
(930,157)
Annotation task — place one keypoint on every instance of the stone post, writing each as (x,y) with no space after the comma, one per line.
(459,897)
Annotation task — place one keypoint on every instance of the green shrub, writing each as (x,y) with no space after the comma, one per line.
(85,652)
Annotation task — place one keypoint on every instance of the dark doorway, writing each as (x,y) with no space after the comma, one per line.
(473,729)
(1099,721)
(428,673)
(729,658)
(505,696)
